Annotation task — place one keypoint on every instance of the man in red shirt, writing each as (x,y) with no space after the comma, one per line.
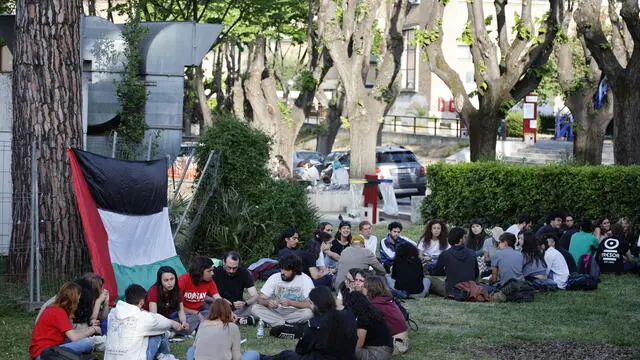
(198,290)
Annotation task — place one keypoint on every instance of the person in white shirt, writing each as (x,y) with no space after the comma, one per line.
(284,297)
(136,334)
(370,240)
(524,223)
(557,268)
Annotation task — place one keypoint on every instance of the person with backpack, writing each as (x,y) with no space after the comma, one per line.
(376,289)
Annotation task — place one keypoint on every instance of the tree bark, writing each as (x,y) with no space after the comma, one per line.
(626,127)
(332,122)
(47,112)
(483,130)
(198,79)
(588,134)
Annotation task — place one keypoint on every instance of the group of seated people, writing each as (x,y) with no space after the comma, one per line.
(336,294)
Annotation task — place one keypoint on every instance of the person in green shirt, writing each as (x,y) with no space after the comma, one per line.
(583,242)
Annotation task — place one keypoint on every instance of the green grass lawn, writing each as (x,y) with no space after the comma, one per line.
(456,330)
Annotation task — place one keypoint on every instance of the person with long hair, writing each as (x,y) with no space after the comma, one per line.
(376,289)
(54,326)
(433,242)
(198,289)
(407,273)
(288,243)
(353,281)
(533,265)
(164,297)
(374,336)
(309,255)
(329,335)
(218,337)
(603,227)
(341,241)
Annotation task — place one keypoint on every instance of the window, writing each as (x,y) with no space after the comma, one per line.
(409,67)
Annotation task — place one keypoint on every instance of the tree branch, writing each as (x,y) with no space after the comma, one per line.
(630,13)
(485,58)
(587,18)
(503,40)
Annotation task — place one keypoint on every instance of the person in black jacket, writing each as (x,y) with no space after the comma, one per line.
(407,273)
(329,335)
(458,263)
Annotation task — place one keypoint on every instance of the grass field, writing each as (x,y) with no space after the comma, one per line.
(603,324)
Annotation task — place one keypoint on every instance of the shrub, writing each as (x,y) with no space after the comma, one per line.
(498,192)
(514,124)
(248,209)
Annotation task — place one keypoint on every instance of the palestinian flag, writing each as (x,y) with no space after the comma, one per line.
(123,206)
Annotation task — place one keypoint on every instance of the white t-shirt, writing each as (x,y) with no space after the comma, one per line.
(372,244)
(320,260)
(297,289)
(432,248)
(557,266)
(514,229)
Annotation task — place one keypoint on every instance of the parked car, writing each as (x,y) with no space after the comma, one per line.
(314,157)
(392,162)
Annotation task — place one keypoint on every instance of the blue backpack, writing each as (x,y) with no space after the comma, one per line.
(581,282)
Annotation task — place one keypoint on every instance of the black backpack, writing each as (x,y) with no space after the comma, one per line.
(517,291)
(61,353)
(582,282)
(412,324)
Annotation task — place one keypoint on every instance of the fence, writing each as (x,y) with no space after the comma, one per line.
(39,258)
(420,125)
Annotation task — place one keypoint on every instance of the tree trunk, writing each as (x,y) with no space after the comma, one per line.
(590,125)
(483,130)
(363,134)
(202,98)
(46,111)
(92,7)
(325,141)
(626,127)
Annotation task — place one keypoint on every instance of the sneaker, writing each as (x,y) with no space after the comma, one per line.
(284,332)
(162,356)
(249,320)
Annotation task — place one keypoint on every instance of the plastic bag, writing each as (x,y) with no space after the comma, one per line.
(389,196)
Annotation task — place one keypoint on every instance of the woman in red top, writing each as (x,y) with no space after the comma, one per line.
(198,289)
(54,326)
(165,298)
(379,294)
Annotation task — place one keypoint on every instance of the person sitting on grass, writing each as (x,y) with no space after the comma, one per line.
(136,334)
(218,337)
(374,336)
(330,334)
(458,263)
(533,266)
(433,242)
(288,243)
(557,268)
(309,256)
(231,280)
(583,242)
(356,256)
(284,299)
(407,273)
(198,289)
(389,244)
(376,289)
(165,298)
(341,241)
(506,263)
(613,254)
(353,281)
(54,328)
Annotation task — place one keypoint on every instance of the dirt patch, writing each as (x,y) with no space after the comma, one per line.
(559,351)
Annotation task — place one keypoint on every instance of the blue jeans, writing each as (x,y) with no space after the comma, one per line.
(157,344)
(82,346)
(326,280)
(247,355)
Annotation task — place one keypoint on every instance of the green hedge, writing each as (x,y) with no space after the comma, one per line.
(514,124)
(499,192)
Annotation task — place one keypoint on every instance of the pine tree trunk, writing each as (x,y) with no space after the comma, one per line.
(47,111)
(626,127)
(483,130)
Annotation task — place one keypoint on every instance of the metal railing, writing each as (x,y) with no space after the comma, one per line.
(420,125)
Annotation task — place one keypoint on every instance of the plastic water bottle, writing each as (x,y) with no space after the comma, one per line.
(260,330)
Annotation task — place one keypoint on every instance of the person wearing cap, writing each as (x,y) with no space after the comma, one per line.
(358,257)
(198,290)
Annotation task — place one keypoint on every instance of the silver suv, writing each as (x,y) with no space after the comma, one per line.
(392,162)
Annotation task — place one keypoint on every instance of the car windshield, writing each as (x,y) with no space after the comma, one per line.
(396,157)
(309,155)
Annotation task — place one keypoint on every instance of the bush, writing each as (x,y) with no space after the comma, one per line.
(248,209)
(498,192)
(514,124)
